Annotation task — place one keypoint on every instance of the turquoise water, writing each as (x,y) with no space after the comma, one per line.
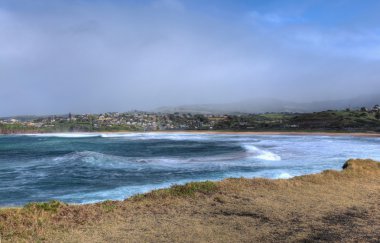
(83,168)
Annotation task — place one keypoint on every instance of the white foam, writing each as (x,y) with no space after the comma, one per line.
(175,136)
(119,135)
(98,159)
(132,135)
(261,154)
(113,161)
(120,193)
(271,174)
(284,175)
(64,135)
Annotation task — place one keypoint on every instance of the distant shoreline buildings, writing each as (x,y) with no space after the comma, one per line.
(360,119)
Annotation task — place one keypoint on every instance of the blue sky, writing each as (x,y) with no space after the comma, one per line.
(58,56)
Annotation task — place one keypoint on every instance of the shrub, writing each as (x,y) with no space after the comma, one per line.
(193,187)
(51,206)
(108,206)
(188,189)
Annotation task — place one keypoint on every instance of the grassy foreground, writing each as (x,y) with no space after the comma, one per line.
(331,206)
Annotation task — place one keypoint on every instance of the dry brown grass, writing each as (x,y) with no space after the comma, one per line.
(331,206)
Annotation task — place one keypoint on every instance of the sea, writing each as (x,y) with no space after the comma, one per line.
(86,168)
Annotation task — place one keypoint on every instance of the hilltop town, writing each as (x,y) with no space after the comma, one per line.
(363,119)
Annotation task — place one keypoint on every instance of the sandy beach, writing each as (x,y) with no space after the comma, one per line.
(361,134)
(355,134)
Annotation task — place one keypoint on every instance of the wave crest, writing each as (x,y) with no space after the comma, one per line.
(96,159)
(64,135)
(261,154)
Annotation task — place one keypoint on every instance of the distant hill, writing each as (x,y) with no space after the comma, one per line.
(274,105)
(22,118)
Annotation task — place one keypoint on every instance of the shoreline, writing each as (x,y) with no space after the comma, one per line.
(285,133)
(182,185)
(292,133)
(303,208)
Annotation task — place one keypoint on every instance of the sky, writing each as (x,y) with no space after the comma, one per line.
(92,56)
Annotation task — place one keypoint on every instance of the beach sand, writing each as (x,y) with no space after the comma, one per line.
(359,134)
(354,134)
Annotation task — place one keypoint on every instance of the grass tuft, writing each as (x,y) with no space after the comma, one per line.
(189,189)
(51,206)
(108,206)
(361,165)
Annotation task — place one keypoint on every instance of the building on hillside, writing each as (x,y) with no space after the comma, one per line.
(376,108)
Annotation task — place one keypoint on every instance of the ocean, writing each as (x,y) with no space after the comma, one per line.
(86,168)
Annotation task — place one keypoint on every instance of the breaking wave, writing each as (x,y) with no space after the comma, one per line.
(260,153)
(97,159)
(87,167)
(132,135)
(153,135)
(64,135)
(113,161)
(119,193)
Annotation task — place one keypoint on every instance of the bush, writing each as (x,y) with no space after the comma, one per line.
(108,206)
(51,206)
(193,187)
(188,189)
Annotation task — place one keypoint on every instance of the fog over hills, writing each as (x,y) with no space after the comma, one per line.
(275,105)
(88,56)
(254,105)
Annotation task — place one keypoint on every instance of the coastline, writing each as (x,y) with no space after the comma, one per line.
(222,132)
(291,133)
(308,208)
